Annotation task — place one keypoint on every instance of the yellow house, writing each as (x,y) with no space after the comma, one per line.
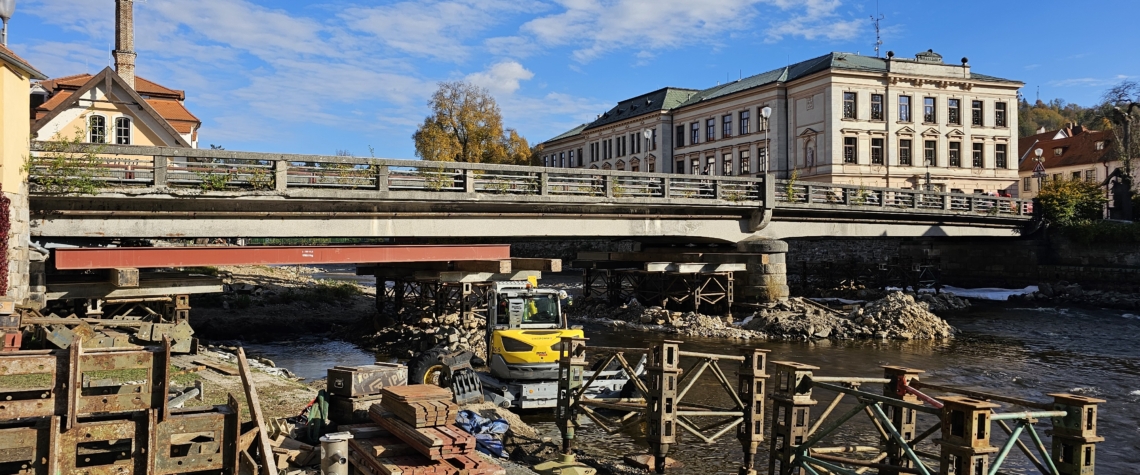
(15,79)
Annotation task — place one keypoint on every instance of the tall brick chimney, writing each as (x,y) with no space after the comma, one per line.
(125,40)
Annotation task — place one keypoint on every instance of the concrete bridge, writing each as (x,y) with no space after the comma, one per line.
(151,192)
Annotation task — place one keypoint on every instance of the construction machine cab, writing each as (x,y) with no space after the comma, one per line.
(524,331)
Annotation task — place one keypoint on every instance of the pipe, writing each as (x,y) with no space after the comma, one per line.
(334,453)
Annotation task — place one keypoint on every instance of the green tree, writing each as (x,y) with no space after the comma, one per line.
(466,126)
(1071,202)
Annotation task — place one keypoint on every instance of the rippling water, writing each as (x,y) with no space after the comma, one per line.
(1022,352)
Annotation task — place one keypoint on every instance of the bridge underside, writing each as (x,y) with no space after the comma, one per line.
(158,217)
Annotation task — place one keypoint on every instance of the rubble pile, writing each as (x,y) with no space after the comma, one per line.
(896,316)
(406,340)
(1064,292)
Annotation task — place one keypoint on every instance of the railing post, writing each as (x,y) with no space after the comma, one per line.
(846,196)
(914,199)
(882,198)
(382,175)
(543,183)
(807,194)
(716,189)
(160,171)
(469,181)
(972,202)
(609,186)
(280,175)
(947,202)
(667,187)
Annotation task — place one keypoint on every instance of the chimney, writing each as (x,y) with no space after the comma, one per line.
(125,40)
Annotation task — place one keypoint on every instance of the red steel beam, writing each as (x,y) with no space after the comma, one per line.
(148,257)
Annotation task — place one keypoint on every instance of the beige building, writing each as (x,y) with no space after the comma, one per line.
(837,118)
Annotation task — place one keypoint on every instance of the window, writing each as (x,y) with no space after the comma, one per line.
(680,170)
(904,152)
(581,158)
(695,166)
(726,164)
(877,151)
(1000,156)
(1090,175)
(653,139)
(695,133)
(710,165)
(744,122)
(930,153)
(762,159)
(651,165)
(621,146)
(955,154)
(680,136)
(1076,176)
(1099,145)
(1057,152)
(999,114)
(745,166)
(571,163)
(1025,183)
(904,108)
(954,111)
(978,155)
(710,130)
(1056,177)
(849,146)
(726,126)
(928,111)
(123,131)
(620,165)
(97,129)
(635,165)
(976,115)
(849,105)
(876,107)
(562,159)
(546,160)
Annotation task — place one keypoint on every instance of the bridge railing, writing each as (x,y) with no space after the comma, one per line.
(216,170)
(813,194)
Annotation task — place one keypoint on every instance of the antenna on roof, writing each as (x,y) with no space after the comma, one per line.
(876,18)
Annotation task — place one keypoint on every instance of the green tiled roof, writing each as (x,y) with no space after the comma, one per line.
(570,133)
(661,99)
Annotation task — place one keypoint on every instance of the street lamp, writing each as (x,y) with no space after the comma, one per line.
(765,113)
(1040,175)
(7,8)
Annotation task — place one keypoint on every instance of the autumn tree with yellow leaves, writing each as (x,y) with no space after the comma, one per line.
(466,126)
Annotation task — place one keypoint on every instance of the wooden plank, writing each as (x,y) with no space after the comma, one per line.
(255,413)
(544,265)
(217,367)
(194,369)
(494,267)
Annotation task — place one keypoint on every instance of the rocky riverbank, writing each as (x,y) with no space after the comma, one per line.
(1065,293)
(897,316)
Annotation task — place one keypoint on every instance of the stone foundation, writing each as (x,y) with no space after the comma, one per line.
(766,279)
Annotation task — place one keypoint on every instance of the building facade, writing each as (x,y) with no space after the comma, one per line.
(837,118)
(1071,153)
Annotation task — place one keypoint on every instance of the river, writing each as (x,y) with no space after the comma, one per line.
(1021,352)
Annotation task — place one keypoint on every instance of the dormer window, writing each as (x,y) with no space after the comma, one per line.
(1100,145)
(1058,151)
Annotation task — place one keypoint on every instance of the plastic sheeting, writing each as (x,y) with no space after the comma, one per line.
(488,432)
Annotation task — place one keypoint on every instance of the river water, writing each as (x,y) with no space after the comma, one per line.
(1020,352)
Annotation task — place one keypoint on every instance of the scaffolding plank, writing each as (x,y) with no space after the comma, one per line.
(152,257)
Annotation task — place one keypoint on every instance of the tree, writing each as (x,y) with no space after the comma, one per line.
(466,126)
(1071,202)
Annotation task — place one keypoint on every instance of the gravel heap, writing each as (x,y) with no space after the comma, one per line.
(634,315)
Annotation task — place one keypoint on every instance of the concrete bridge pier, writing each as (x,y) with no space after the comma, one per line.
(766,279)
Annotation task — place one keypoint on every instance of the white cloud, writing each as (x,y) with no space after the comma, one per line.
(812,20)
(502,78)
(1090,82)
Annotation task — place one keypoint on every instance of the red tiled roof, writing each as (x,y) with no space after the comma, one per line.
(1078,149)
(52,103)
(20,63)
(166,101)
(175,113)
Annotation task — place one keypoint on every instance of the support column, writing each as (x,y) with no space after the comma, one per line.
(1074,436)
(664,372)
(766,279)
(791,417)
(965,444)
(750,387)
(904,419)
(571,365)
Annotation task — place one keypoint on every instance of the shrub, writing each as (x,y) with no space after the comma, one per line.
(1103,232)
(1071,202)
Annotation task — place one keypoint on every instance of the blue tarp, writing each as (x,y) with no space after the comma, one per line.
(488,432)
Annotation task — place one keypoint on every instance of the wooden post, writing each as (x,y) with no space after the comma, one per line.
(263,446)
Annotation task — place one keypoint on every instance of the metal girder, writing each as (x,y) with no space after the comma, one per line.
(150,257)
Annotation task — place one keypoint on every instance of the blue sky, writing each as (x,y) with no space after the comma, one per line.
(317,77)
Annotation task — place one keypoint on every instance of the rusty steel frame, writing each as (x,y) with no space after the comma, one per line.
(153,257)
(663,409)
(434,297)
(684,291)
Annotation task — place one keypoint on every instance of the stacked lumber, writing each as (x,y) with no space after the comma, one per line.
(420,405)
(436,443)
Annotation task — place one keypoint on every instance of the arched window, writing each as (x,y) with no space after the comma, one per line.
(97,129)
(123,131)
(635,165)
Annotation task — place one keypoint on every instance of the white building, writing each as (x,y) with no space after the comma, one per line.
(837,118)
